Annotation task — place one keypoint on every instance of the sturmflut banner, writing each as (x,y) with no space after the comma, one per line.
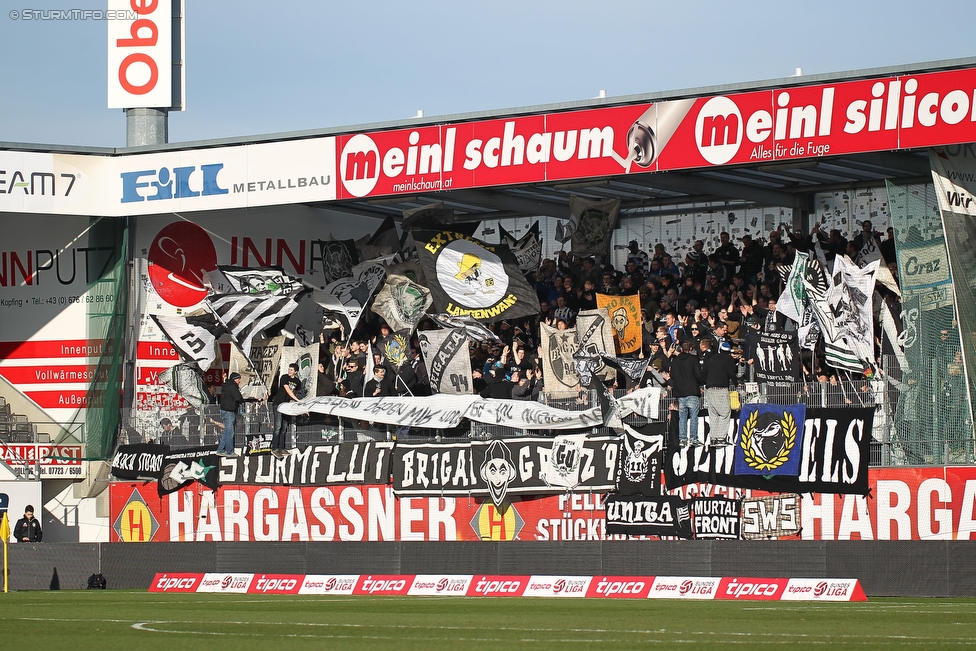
(365,462)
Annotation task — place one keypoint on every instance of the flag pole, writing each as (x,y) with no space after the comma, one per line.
(5,534)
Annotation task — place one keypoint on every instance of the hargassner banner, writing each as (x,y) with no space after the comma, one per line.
(782,124)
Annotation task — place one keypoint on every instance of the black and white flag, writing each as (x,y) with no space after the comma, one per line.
(639,472)
(187,466)
(469,277)
(777,357)
(335,259)
(851,296)
(771,517)
(716,518)
(502,467)
(363,462)
(247,316)
(527,249)
(558,368)
(590,226)
(476,331)
(259,369)
(446,357)
(401,302)
(632,367)
(595,337)
(348,297)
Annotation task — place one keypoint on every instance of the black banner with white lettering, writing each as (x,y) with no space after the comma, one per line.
(777,356)
(143,461)
(187,466)
(648,516)
(640,460)
(365,462)
(834,458)
(524,466)
(716,518)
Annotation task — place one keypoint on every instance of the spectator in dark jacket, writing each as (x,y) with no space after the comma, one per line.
(686,383)
(230,401)
(720,371)
(28,528)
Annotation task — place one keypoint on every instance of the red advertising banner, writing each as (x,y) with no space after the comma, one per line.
(791,123)
(905,504)
(365,513)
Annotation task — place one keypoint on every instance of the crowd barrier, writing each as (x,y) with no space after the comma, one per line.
(893,445)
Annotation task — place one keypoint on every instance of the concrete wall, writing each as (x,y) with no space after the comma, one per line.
(885,568)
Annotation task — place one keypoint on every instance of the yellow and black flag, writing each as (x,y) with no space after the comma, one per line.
(625,320)
(468,277)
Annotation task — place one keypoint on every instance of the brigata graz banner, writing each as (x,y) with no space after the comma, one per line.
(510,466)
(836,447)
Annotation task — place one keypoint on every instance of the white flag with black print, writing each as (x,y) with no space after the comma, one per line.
(594,337)
(258,282)
(195,341)
(446,357)
(527,249)
(348,297)
(185,379)
(558,366)
(837,351)
(851,297)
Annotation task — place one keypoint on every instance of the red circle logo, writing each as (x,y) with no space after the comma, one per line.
(179,259)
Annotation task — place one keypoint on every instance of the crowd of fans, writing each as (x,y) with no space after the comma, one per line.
(708,298)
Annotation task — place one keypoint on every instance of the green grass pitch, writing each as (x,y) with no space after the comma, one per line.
(106,620)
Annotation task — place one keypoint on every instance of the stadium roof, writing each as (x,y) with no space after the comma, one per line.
(785,183)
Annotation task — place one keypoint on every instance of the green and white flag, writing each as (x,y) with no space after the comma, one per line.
(402,303)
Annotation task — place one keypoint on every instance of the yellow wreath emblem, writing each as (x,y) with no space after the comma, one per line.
(745,442)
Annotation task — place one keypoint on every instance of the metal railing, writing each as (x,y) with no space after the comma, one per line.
(891,446)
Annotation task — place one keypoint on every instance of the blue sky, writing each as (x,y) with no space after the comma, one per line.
(254,67)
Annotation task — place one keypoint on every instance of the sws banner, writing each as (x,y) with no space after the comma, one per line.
(836,446)
(502,467)
(317,465)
